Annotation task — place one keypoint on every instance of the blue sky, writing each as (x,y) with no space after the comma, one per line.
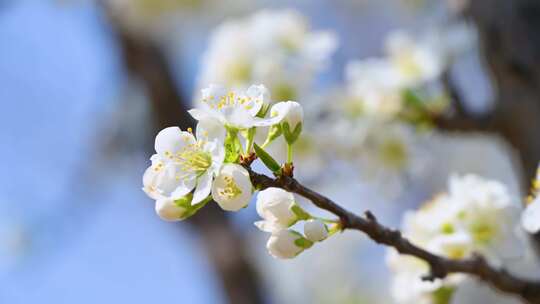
(83,241)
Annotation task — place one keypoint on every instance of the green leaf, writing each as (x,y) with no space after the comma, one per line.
(267,160)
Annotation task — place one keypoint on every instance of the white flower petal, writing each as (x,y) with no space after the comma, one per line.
(204,185)
(259,95)
(210,129)
(281,244)
(530,218)
(171,140)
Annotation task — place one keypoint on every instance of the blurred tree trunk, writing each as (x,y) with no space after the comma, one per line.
(224,246)
(510,35)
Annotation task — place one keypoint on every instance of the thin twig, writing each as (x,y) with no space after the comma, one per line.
(440,266)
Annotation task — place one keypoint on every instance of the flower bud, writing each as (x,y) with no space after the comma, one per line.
(290,112)
(232,187)
(278,209)
(315,230)
(286,244)
(168,210)
(292,119)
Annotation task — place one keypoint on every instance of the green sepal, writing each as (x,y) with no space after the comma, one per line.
(185,202)
(267,160)
(291,137)
(273,133)
(300,213)
(303,243)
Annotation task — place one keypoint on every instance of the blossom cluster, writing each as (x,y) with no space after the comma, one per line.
(190,170)
(274,47)
(476,215)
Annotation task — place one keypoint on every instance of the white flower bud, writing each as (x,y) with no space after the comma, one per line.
(285,244)
(291,111)
(232,187)
(168,210)
(275,206)
(530,218)
(315,230)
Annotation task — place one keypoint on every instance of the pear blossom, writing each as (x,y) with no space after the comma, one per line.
(232,187)
(234,110)
(286,244)
(415,61)
(182,164)
(475,215)
(315,230)
(277,208)
(274,47)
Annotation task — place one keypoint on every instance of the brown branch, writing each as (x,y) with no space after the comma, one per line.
(440,266)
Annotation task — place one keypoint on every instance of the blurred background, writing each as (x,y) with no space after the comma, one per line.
(86,85)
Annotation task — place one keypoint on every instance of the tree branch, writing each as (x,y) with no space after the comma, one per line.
(440,266)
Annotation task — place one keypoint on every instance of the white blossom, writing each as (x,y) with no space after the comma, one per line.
(276,48)
(232,109)
(182,164)
(286,244)
(315,230)
(415,61)
(275,207)
(232,187)
(475,215)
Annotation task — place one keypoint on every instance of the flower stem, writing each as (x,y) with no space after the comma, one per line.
(250,140)
(289,153)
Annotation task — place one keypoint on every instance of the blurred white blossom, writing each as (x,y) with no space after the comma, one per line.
(475,215)
(276,48)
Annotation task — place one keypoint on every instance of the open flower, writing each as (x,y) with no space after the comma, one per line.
(232,188)
(233,109)
(274,47)
(278,209)
(183,163)
(286,244)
